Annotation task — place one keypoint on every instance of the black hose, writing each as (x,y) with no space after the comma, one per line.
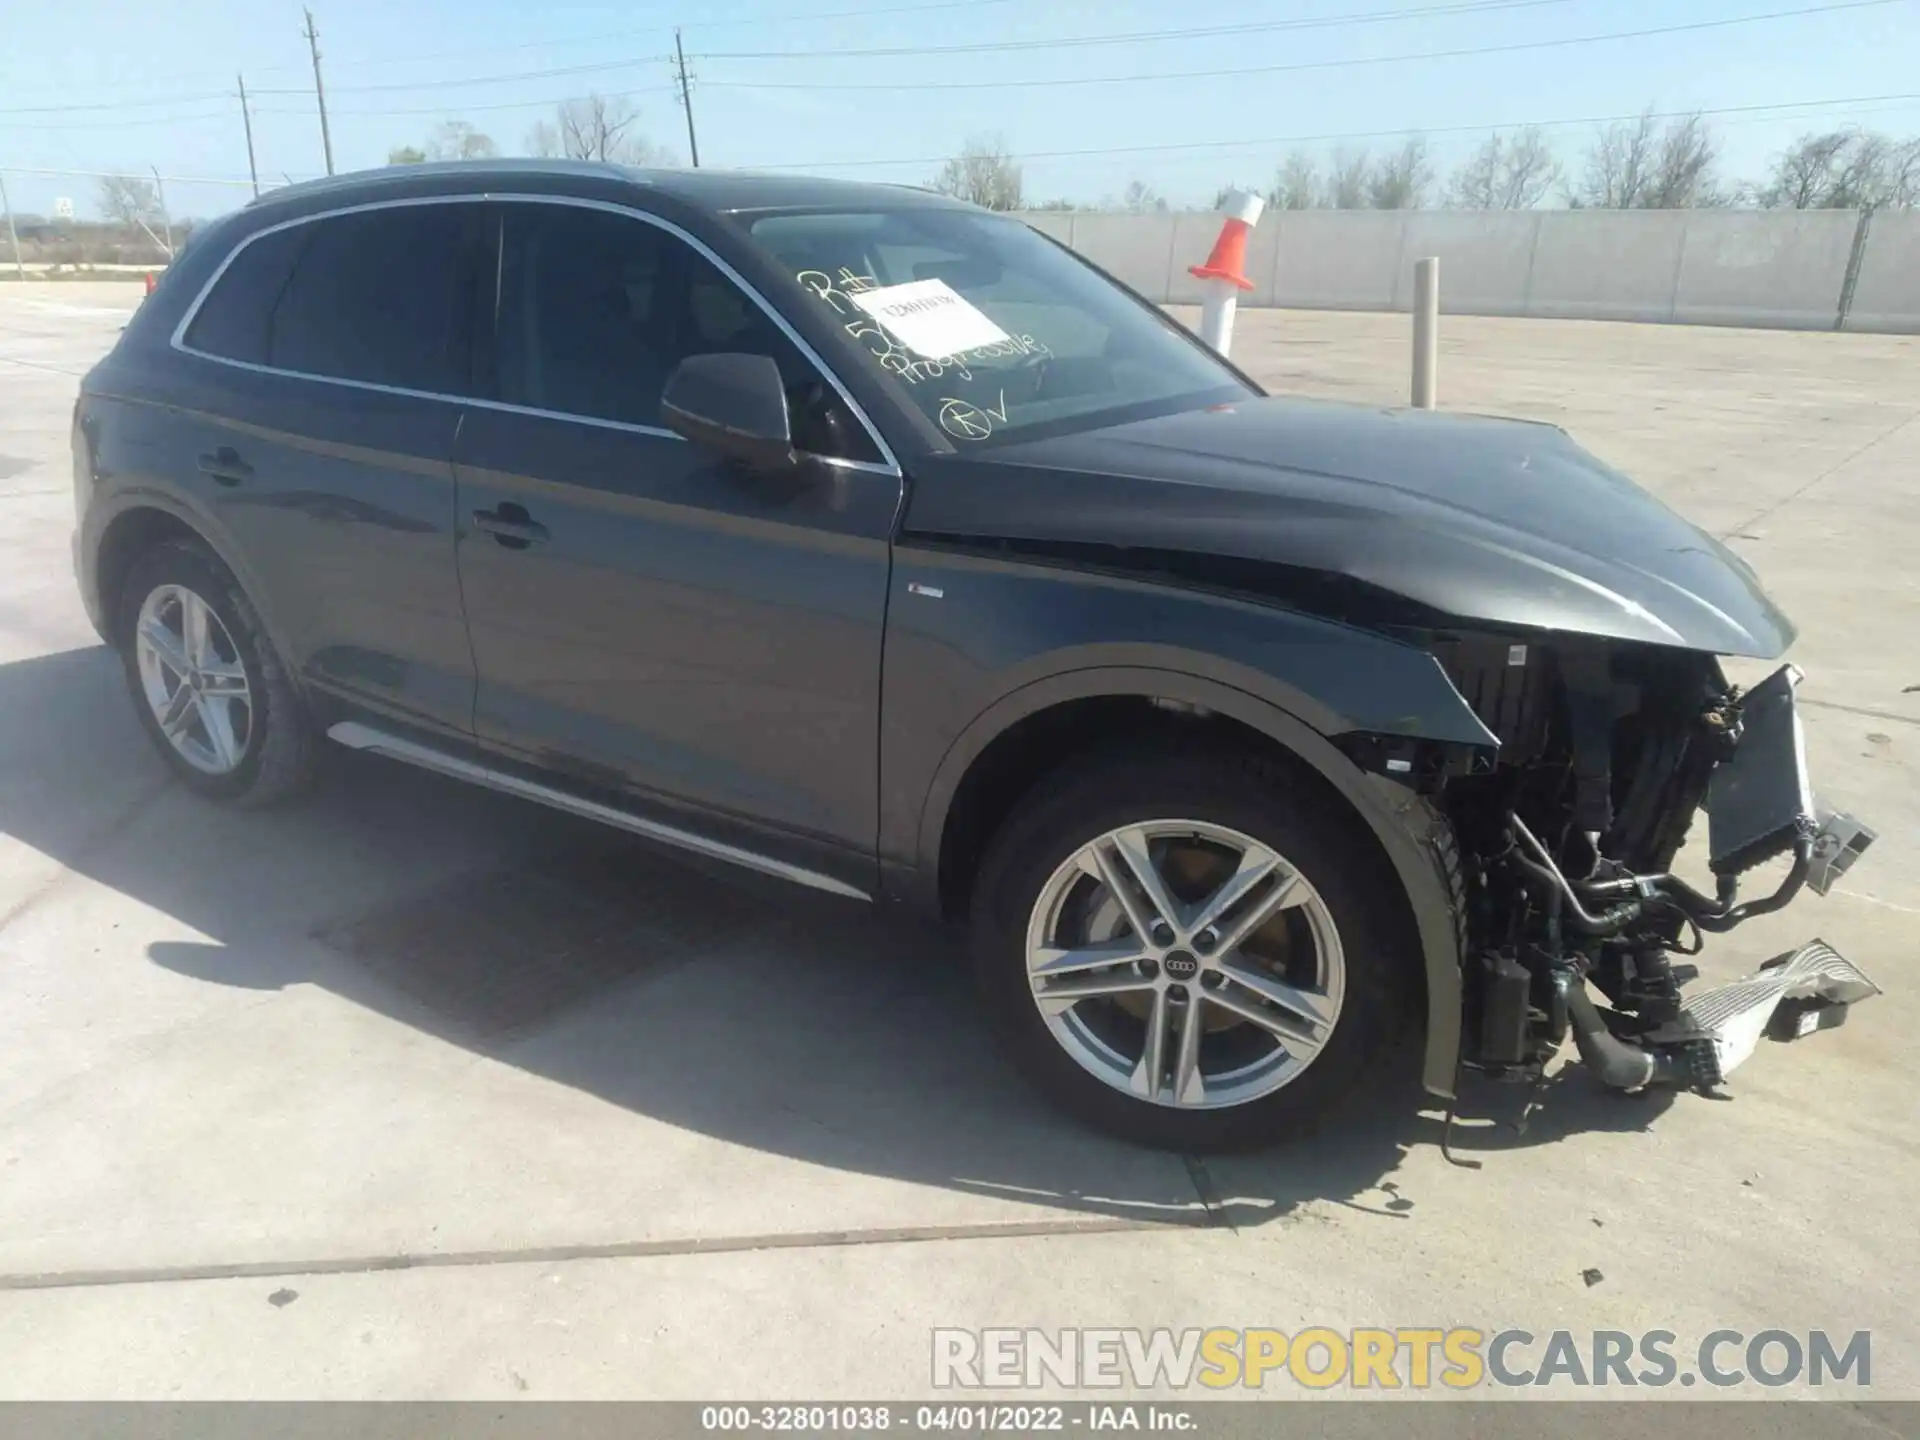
(1608,922)
(1612,1060)
(1733,915)
(1718,915)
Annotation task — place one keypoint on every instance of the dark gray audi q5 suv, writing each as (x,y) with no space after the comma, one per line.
(872,541)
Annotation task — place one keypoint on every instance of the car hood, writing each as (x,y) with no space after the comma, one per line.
(1504,522)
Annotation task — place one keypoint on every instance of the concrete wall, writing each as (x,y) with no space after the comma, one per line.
(1136,249)
(1777,269)
(1337,260)
(1886,293)
(1602,265)
(1486,259)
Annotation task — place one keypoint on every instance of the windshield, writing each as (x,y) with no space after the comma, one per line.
(992,331)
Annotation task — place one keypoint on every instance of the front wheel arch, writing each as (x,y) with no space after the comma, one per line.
(1414,838)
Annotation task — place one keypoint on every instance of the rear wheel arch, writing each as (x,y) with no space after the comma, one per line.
(129,535)
(149,521)
(1030,731)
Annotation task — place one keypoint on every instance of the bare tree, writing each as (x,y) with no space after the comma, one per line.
(1347,180)
(1900,179)
(1619,165)
(1297,184)
(133,203)
(1683,166)
(1399,180)
(597,127)
(406,155)
(982,173)
(460,140)
(1845,170)
(1140,196)
(1640,164)
(1506,172)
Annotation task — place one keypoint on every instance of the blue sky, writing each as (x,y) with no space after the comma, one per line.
(158,81)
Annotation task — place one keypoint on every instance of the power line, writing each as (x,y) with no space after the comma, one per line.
(1138,37)
(352,63)
(122,174)
(1463,7)
(116,105)
(446,110)
(1310,64)
(1332,136)
(888,10)
(514,77)
(224,113)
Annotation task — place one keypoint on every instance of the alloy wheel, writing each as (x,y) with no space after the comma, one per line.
(194,679)
(1185,963)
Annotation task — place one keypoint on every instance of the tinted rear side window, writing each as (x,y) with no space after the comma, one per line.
(233,321)
(374,297)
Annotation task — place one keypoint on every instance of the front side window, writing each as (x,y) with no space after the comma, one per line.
(597,308)
(993,332)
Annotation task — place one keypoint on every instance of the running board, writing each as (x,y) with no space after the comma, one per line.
(356,736)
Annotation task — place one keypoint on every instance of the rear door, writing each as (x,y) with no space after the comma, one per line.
(332,354)
(657,620)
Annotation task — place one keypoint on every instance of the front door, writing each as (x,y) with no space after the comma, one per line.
(643,614)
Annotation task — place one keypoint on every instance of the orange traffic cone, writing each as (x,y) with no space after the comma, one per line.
(150,282)
(1225,270)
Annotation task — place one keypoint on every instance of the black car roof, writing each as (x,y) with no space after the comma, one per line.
(718,190)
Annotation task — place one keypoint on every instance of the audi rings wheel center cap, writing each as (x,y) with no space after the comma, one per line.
(1181,966)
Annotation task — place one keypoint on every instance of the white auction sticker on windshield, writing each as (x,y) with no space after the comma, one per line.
(928,317)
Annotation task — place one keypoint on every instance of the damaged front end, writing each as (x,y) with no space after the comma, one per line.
(1574,913)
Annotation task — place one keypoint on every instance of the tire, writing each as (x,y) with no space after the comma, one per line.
(272,752)
(1350,889)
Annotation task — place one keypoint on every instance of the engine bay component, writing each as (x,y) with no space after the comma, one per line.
(1811,982)
(1761,801)
(1574,910)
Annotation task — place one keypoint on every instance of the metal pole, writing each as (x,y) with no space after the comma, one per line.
(319,89)
(686,98)
(7,205)
(1851,281)
(166,219)
(1426,331)
(246,119)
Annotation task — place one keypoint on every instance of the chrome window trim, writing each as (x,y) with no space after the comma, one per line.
(888,465)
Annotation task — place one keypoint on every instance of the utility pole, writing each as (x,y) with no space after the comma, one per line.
(166,216)
(6,205)
(319,88)
(686,96)
(246,119)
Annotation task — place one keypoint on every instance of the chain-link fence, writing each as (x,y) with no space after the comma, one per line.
(105,224)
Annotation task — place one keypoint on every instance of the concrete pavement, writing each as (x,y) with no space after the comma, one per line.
(737,1141)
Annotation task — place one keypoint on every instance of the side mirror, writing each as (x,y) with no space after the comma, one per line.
(734,404)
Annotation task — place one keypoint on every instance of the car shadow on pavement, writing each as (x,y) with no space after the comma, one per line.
(726,1006)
